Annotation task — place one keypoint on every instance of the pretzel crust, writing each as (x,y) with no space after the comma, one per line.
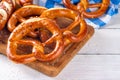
(83,5)
(20,14)
(38,48)
(67,31)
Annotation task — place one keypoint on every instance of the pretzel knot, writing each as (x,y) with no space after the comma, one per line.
(23,14)
(78,21)
(84,5)
(38,51)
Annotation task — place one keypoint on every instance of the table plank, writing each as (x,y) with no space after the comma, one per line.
(82,67)
(114,22)
(104,41)
(93,67)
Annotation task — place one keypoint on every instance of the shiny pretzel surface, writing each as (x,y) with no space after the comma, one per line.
(7,7)
(45,30)
(23,14)
(67,30)
(84,5)
(38,47)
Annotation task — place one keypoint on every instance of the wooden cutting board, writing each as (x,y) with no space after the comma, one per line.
(54,68)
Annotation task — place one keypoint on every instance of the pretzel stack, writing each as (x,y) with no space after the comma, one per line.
(38,28)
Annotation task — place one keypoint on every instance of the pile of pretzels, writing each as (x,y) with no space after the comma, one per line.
(36,26)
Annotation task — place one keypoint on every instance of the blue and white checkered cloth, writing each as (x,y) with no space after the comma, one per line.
(96,22)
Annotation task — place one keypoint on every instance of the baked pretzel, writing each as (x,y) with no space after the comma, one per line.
(83,5)
(24,2)
(38,48)
(20,3)
(69,36)
(23,14)
(67,31)
(69,5)
(6,9)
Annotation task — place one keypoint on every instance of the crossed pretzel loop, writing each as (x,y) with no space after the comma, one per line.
(69,5)
(67,31)
(38,48)
(23,14)
(83,5)
(46,24)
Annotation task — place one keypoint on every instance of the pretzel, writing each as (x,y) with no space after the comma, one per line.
(71,37)
(20,15)
(69,5)
(83,5)
(67,13)
(38,48)
(24,2)
(6,9)
(20,3)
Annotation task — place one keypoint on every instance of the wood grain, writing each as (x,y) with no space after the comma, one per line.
(103,42)
(81,67)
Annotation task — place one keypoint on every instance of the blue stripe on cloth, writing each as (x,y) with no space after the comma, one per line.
(58,1)
(100,21)
(116,2)
(112,10)
(96,1)
(75,1)
(97,21)
(49,3)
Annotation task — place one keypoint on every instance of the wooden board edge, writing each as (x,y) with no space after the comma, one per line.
(54,70)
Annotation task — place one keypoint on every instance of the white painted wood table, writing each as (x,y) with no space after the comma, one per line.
(99,59)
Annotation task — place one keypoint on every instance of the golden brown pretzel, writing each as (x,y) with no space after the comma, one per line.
(25,58)
(22,14)
(38,48)
(68,35)
(69,5)
(83,5)
(6,9)
(67,13)
(20,3)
